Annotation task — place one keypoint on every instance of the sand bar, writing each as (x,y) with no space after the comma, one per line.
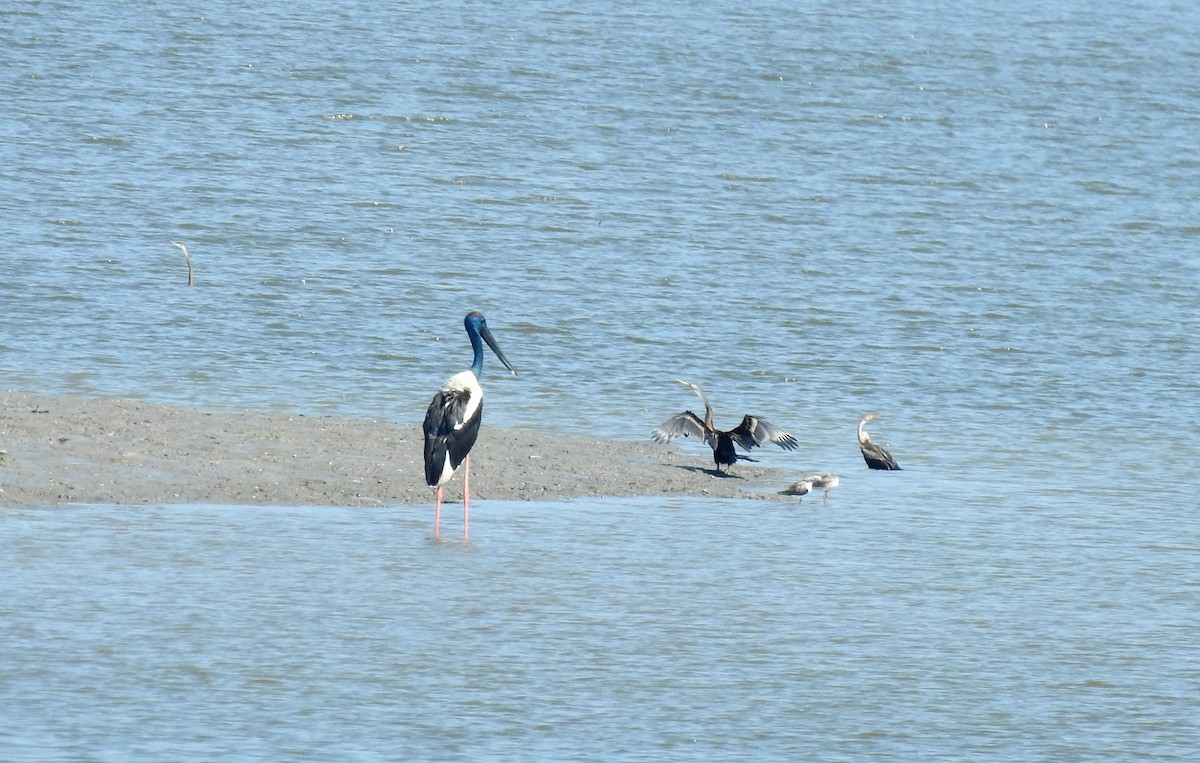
(57,450)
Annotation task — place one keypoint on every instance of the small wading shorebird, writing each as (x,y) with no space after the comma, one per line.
(799,489)
(751,432)
(875,455)
(452,421)
(824,482)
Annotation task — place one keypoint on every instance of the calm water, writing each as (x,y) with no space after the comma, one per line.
(880,627)
(983,223)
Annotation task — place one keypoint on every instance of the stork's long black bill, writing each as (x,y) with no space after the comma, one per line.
(486,333)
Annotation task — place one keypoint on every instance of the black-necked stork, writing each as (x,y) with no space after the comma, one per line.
(875,455)
(751,432)
(452,421)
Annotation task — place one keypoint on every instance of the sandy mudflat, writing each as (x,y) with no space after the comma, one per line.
(56,450)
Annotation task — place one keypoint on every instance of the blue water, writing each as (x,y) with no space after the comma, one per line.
(598,630)
(981,221)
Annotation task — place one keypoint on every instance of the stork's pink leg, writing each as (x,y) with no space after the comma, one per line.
(437,512)
(466,492)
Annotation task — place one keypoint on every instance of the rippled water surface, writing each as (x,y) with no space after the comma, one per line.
(879,626)
(981,221)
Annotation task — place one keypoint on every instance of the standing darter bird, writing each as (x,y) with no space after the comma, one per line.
(452,421)
(751,432)
(875,455)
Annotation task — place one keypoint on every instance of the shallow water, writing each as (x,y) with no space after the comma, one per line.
(892,623)
(982,223)
(809,213)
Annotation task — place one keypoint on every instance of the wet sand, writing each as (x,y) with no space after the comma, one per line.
(57,450)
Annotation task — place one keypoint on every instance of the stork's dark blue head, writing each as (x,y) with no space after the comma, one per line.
(476,326)
(474,322)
